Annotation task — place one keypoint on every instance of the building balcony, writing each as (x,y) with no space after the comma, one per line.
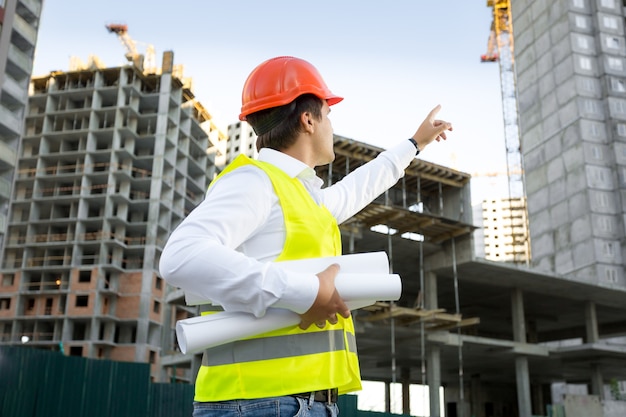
(10,126)
(14,93)
(25,35)
(30,9)
(5,191)
(19,64)
(8,156)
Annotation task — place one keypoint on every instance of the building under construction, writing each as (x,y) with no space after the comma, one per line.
(111,159)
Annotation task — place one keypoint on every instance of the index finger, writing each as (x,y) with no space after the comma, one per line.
(434,112)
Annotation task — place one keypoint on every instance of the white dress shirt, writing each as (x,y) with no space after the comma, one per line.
(223,250)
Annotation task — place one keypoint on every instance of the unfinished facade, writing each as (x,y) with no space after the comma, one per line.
(505,229)
(241,140)
(19,22)
(111,160)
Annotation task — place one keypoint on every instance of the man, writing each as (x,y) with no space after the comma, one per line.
(258,213)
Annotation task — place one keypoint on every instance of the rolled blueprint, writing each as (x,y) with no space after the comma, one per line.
(202,332)
(362,280)
(357,263)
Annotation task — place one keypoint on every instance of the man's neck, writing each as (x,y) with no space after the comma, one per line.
(301,151)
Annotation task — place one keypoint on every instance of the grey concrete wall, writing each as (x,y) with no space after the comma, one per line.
(570,60)
(614,408)
(582,406)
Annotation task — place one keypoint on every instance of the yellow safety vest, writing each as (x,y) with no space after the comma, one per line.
(290,360)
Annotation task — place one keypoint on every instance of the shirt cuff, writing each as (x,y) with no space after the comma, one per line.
(404,152)
(299,293)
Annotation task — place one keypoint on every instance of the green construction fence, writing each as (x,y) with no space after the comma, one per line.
(43,383)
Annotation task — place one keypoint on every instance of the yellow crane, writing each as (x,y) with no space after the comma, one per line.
(500,49)
(145,61)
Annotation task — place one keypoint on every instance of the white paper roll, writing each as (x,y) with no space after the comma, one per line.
(358,290)
(202,332)
(357,263)
(386,287)
(199,333)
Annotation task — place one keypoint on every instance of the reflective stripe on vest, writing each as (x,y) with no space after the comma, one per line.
(279,347)
(289,360)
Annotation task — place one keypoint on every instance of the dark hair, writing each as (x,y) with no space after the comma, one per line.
(278,127)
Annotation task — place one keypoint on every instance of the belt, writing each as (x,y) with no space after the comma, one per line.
(324,396)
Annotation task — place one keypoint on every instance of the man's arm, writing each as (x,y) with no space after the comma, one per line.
(201,257)
(360,187)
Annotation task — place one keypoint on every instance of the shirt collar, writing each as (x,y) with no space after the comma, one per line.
(291,166)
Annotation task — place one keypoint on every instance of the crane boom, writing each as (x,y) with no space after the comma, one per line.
(122,33)
(148,61)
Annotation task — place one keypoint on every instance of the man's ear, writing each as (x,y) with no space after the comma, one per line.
(306,120)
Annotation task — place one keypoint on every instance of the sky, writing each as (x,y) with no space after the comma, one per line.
(393,61)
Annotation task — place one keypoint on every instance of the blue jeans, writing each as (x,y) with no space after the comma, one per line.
(266,407)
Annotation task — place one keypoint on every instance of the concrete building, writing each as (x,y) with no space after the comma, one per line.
(241,140)
(571,82)
(19,22)
(504,230)
(111,160)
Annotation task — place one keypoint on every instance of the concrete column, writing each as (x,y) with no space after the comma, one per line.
(523,387)
(521,362)
(517,316)
(597,382)
(430,291)
(433,356)
(592,335)
(433,373)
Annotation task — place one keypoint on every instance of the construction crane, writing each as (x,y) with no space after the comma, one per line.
(500,48)
(146,62)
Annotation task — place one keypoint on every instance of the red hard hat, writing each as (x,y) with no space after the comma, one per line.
(279,81)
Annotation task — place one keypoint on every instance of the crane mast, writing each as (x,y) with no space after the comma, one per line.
(500,48)
(501,38)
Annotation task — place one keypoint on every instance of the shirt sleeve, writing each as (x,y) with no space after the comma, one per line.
(200,256)
(360,187)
